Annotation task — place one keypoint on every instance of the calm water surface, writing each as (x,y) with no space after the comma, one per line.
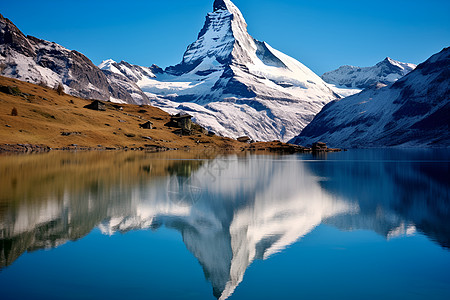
(365,224)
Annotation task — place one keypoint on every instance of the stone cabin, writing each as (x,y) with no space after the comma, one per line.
(183,121)
(96,105)
(146,125)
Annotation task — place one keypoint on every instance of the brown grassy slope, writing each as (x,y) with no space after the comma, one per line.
(43,115)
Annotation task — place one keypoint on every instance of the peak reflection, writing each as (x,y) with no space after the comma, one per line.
(229,210)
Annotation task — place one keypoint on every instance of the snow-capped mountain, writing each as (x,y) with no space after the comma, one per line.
(414,111)
(387,71)
(236,85)
(41,62)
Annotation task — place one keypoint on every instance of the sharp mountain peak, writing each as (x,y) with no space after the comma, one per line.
(220,5)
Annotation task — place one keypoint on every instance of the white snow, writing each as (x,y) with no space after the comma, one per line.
(108,65)
(344,91)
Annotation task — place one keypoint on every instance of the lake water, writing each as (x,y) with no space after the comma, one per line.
(362,224)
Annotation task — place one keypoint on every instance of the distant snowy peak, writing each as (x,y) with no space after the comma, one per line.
(404,68)
(132,72)
(109,66)
(387,71)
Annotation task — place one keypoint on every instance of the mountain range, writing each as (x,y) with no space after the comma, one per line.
(387,71)
(412,112)
(350,80)
(231,83)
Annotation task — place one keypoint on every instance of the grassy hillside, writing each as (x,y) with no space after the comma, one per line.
(44,117)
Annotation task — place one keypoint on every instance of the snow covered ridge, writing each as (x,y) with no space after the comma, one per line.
(41,62)
(234,84)
(132,72)
(387,71)
(412,112)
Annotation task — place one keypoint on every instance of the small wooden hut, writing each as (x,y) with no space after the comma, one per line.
(146,125)
(96,105)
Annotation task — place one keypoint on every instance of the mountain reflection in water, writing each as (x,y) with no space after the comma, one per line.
(230,210)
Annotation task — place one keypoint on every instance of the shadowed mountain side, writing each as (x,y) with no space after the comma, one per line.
(412,112)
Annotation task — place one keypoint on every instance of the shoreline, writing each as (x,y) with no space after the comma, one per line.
(274,147)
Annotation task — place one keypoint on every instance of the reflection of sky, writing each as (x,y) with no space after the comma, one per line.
(252,208)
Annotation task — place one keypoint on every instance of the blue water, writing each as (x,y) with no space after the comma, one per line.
(362,224)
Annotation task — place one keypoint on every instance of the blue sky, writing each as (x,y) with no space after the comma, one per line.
(321,34)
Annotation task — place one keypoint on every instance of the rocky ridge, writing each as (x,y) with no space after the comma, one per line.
(46,63)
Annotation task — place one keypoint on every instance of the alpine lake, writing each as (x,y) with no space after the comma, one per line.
(361,224)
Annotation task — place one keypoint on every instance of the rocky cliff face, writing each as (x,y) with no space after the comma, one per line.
(41,62)
(412,112)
